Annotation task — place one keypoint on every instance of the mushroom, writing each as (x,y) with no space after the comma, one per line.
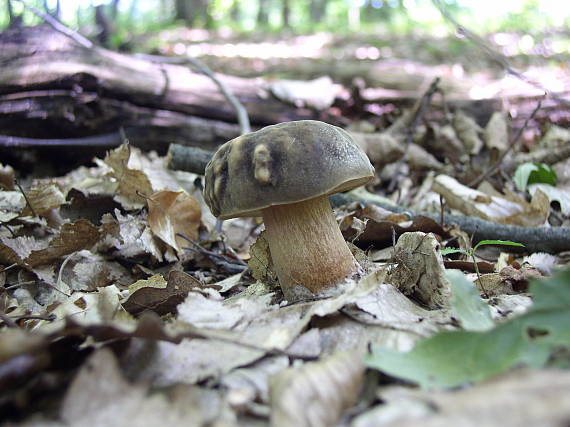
(285,174)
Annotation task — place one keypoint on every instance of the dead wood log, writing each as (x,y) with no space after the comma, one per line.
(53,88)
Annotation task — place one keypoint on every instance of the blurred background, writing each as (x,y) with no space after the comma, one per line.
(238,32)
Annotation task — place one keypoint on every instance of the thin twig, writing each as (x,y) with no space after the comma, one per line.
(241,112)
(499,58)
(205,251)
(514,141)
(58,26)
(25,197)
(421,108)
(416,115)
(8,321)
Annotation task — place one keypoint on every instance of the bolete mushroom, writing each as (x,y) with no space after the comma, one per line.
(285,174)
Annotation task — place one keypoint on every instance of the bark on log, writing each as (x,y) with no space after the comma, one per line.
(51,87)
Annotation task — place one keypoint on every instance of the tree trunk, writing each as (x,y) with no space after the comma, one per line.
(103,25)
(55,12)
(286,14)
(317,10)
(13,19)
(182,10)
(263,13)
(60,90)
(235,12)
(115,10)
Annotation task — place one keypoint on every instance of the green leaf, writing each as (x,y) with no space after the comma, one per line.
(543,175)
(450,359)
(448,251)
(466,303)
(522,175)
(497,242)
(534,173)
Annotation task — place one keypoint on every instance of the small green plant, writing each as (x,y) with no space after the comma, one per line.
(471,253)
(534,173)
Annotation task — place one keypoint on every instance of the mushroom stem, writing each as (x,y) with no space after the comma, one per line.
(307,247)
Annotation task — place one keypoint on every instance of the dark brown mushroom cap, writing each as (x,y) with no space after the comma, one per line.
(284,163)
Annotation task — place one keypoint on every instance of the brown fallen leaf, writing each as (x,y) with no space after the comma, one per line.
(158,295)
(29,252)
(171,213)
(100,396)
(382,227)
(7,177)
(488,204)
(43,198)
(420,271)
(317,393)
(131,182)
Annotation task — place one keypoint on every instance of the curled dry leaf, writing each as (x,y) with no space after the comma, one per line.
(173,212)
(474,202)
(158,295)
(317,393)
(260,262)
(100,396)
(43,198)
(11,204)
(468,131)
(522,398)
(496,132)
(7,177)
(420,271)
(488,204)
(27,252)
(131,182)
(381,225)
(318,93)
(381,148)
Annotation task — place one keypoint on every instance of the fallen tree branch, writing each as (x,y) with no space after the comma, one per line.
(188,159)
(241,112)
(106,140)
(535,239)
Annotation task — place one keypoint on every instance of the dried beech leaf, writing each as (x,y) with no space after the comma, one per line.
(88,308)
(131,236)
(72,237)
(11,204)
(260,263)
(87,271)
(318,93)
(16,341)
(15,251)
(7,177)
(171,212)
(420,271)
(380,232)
(43,198)
(130,180)
(474,202)
(468,131)
(521,398)
(496,132)
(100,396)
(317,393)
(158,295)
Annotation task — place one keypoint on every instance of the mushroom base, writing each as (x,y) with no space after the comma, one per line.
(307,247)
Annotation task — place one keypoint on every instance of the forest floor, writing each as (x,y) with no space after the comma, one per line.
(124,303)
